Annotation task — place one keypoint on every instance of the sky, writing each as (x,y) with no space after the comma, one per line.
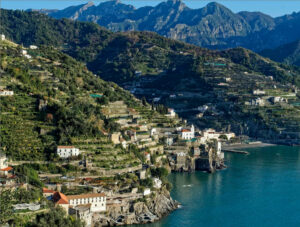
(273,8)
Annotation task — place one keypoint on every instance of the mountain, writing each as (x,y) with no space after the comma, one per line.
(153,66)
(288,53)
(213,26)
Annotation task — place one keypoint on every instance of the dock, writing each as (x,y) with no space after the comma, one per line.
(235,151)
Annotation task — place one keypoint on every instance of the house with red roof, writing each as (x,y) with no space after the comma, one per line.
(4,168)
(188,133)
(96,201)
(48,192)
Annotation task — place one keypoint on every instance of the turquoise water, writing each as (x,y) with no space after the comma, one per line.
(260,189)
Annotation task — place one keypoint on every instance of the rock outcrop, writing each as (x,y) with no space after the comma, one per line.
(151,209)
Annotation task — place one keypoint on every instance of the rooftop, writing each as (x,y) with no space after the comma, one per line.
(65,147)
(7,168)
(84,196)
(60,198)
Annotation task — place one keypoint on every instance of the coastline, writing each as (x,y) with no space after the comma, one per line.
(246,145)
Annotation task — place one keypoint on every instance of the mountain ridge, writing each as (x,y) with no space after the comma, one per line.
(205,26)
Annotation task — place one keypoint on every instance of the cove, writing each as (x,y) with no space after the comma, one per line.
(259,189)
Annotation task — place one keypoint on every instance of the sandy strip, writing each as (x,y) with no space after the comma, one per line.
(244,145)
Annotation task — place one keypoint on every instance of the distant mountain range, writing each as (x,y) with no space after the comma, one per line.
(213,26)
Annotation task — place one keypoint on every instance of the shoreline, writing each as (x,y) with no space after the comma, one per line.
(244,145)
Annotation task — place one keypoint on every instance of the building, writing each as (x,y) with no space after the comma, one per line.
(147,157)
(210,134)
(83,212)
(123,143)
(196,151)
(115,138)
(258,92)
(24,52)
(96,200)
(169,141)
(6,93)
(153,131)
(67,151)
(157,183)
(171,113)
(61,200)
(33,47)
(203,108)
(48,193)
(142,174)
(147,191)
(187,134)
(4,168)
(277,99)
(257,102)
(2,37)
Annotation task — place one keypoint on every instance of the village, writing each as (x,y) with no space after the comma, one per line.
(112,177)
(165,141)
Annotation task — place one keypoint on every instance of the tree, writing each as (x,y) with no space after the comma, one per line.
(55,218)
(5,206)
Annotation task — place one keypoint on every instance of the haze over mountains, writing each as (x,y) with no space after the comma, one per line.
(213,26)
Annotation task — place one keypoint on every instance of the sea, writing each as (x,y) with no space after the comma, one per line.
(259,189)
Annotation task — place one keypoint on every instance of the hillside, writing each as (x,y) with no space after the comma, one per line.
(156,67)
(213,26)
(288,53)
(119,56)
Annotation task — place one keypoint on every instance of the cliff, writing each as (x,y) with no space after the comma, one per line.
(150,209)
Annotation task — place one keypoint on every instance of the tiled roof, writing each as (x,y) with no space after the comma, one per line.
(7,168)
(84,196)
(185,130)
(60,198)
(46,190)
(65,147)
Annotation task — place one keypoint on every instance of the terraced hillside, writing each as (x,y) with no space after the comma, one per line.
(54,103)
(156,67)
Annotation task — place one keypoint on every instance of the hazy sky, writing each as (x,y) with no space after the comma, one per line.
(273,8)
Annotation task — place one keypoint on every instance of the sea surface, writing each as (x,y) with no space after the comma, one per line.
(259,189)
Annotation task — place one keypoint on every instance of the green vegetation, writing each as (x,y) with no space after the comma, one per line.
(56,218)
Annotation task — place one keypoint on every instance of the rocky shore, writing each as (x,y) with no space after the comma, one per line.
(150,209)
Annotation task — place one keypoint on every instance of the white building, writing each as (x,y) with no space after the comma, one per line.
(3,161)
(147,191)
(67,151)
(258,102)
(156,99)
(169,141)
(258,92)
(187,134)
(2,37)
(4,168)
(203,108)
(33,47)
(210,134)
(157,183)
(23,52)
(97,201)
(6,93)
(171,113)
(277,99)
(153,131)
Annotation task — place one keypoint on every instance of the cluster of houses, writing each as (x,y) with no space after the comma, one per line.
(264,100)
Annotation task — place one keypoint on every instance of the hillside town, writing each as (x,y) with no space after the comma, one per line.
(111,178)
